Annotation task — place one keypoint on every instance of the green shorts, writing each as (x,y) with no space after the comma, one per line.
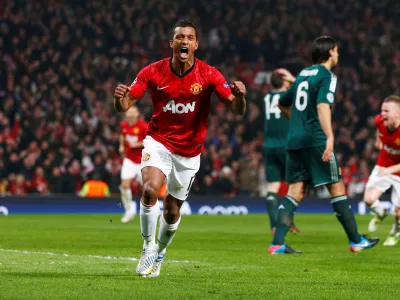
(275,161)
(307,165)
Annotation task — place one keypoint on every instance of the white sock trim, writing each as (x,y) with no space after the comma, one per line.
(166,233)
(376,204)
(295,203)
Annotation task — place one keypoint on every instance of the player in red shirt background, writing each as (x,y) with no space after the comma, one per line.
(180,89)
(386,173)
(133,132)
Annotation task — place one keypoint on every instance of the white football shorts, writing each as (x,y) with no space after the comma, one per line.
(383,183)
(179,171)
(130,170)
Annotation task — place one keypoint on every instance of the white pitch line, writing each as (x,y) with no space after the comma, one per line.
(87,256)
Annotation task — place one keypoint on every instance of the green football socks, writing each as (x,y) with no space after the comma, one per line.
(285,218)
(272,207)
(341,206)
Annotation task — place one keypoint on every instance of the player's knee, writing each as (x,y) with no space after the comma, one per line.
(126,184)
(397,212)
(273,187)
(337,189)
(369,198)
(150,192)
(297,195)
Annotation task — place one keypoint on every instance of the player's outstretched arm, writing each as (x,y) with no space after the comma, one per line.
(238,101)
(121,143)
(122,99)
(325,119)
(390,170)
(136,145)
(378,142)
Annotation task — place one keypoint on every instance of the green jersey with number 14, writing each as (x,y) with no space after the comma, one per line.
(313,86)
(275,124)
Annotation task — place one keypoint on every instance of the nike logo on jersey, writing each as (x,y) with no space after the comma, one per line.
(161,88)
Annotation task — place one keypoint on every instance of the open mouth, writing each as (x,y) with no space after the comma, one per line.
(184,52)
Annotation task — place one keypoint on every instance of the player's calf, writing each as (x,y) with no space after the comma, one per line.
(126,197)
(285,218)
(148,224)
(166,233)
(371,200)
(272,207)
(394,235)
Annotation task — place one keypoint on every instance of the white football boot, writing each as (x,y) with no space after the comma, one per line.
(147,259)
(129,215)
(157,266)
(376,220)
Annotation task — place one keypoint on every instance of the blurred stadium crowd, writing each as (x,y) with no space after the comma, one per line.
(61,60)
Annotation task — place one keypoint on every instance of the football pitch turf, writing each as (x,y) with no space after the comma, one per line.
(212,257)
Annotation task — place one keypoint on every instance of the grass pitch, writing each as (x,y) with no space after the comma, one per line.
(212,257)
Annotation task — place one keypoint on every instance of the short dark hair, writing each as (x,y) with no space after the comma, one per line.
(276,80)
(184,23)
(320,49)
(393,98)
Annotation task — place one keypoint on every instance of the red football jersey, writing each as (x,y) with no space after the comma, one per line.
(390,152)
(181,103)
(133,133)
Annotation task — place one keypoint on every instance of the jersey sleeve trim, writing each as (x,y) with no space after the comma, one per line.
(332,86)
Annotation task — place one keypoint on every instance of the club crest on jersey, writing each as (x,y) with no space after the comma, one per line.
(136,130)
(146,157)
(196,88)
(397,142)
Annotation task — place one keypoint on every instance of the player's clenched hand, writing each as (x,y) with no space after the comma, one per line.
(238,89)
(120,91)
(328,150)
(286,75)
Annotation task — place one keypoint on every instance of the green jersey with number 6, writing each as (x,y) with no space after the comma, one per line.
(314,85)
(275,124)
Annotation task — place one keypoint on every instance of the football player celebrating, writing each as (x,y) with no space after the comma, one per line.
(180,89)
(133,132)
(386,173)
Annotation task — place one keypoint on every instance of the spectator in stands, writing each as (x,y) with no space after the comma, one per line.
(209,187)
(56,80)
(19,186)
(356,187)
(249,175)
(225,183)
(39,183)
(56,181)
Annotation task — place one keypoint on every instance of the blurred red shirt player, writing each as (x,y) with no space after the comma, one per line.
(386,173)
(133,132)
(180,88)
